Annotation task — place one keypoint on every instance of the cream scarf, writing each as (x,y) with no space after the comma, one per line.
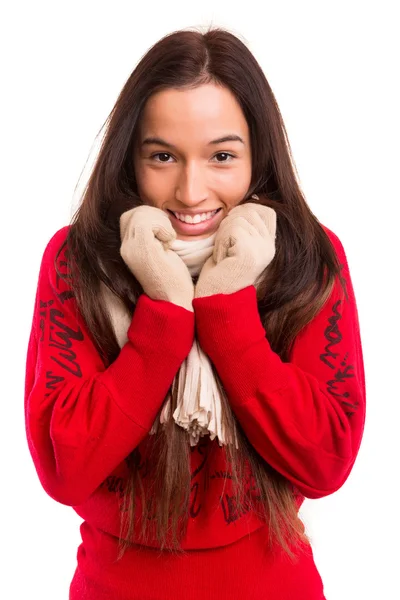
(199,403)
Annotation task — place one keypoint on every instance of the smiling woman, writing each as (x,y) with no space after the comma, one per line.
(212,322)
(207,170)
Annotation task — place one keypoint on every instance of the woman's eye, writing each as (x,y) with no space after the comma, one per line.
(163,154)
(225,155)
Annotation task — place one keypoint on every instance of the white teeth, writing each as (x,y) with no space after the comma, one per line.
(196,218)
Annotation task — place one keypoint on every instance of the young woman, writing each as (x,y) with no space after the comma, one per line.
(195,368)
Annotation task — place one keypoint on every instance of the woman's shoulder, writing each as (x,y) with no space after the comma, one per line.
(54,244)
(57,239)
(336,242)
(54,259)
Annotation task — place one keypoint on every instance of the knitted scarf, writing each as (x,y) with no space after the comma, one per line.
(199,402)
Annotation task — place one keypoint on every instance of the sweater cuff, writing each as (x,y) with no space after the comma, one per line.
(161,327)
(231,333)
(231,319)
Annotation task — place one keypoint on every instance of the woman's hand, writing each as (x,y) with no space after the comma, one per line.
(146,235)
(244,247)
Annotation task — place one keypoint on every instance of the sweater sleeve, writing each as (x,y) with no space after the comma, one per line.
(305,417)
(82,419)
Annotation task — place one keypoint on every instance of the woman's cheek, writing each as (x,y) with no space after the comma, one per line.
(150,188)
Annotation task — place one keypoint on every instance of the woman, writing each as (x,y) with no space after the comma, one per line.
(195,368)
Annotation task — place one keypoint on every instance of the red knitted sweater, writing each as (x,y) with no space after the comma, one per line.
(304,417)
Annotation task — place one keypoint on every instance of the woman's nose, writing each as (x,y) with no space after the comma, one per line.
(191,188)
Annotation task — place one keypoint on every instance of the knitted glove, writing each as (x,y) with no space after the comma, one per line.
(244,247)
(146,235)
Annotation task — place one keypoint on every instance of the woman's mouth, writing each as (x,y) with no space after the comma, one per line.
(195,225)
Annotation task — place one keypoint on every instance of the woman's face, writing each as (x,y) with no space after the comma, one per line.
(184,163)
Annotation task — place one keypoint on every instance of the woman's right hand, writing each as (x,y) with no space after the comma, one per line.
(146,236)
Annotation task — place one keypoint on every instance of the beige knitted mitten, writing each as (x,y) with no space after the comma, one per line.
(146,235)
(244,247)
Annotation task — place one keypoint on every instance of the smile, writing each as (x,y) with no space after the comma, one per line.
(196,218)
(194,225)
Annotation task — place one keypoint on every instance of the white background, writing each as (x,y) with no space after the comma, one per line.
(334,70)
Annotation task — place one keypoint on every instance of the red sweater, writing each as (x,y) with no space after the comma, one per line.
(304,417)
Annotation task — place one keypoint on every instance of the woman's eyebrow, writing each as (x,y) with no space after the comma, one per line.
(160,142)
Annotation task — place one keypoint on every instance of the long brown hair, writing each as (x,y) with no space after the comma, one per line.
(299,279)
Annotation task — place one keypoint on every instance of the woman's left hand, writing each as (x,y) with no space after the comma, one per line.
(244,247)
